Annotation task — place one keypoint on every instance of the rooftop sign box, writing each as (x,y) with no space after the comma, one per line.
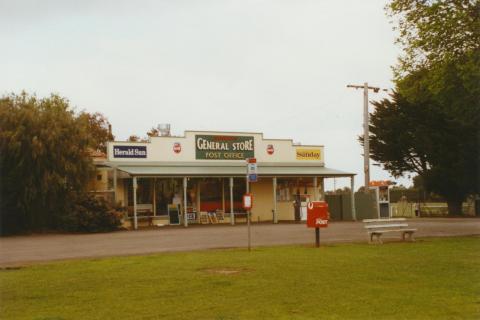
(215,147)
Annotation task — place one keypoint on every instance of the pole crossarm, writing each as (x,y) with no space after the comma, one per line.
(366,133)
(375,89)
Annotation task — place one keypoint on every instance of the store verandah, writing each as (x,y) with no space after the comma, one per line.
(210,199)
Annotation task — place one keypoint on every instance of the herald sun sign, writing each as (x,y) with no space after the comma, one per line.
(317,214)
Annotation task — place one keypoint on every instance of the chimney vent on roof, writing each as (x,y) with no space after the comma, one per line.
(164,129)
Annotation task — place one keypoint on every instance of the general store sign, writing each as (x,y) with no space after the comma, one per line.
(213,147)
(129,151)
(308,154)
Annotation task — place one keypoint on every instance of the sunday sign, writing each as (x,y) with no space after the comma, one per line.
(209,147)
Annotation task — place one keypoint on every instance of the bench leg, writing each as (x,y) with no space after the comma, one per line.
(403,236)
(379,240)
(412,239)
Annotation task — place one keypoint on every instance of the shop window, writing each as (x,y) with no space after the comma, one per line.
(287,189)
(144,191)
(283,191)
(167,192)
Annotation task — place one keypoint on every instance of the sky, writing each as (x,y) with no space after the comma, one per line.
(280,67)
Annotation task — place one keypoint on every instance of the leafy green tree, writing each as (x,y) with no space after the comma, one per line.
(44,160)
(99,129)
(431,123)
(434,134)
(434,31)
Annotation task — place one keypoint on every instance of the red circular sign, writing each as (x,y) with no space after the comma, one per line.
(270,149)
(177,147)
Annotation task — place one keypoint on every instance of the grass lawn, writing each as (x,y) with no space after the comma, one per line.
(429,279)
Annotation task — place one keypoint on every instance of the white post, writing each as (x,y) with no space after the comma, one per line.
(275,216)
(366,142)
(321,195)
(154,197)
(115,186)
(248,217)
(185,220)
(135,222)
(199,199)
(352,195)
(223,195)
(232,215)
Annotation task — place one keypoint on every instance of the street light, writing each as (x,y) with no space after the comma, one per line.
(366,144)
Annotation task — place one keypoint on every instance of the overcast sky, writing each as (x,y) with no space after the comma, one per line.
(278,67)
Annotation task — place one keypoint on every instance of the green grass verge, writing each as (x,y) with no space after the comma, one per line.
(429,279)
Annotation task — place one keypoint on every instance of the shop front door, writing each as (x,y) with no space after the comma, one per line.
(297,205)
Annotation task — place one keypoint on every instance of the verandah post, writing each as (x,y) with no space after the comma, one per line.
(154,197)
(114,186)
(352,195)
(232,215)
(185,219)
(135,222)
(275,217)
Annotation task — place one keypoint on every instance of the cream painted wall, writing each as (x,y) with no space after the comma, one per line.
(161,149)
(285,210)
(262,199)
(99,185)
(120,192)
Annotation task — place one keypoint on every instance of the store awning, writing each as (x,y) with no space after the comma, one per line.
(231,171)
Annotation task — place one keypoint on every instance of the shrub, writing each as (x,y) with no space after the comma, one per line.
(89,214)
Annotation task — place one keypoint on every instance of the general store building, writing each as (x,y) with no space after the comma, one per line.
(188,179)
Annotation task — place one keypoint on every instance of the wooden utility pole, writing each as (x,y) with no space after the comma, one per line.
(366,142)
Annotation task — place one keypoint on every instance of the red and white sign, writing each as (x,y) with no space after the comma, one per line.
(247,201)
(317,214)
(177,147)
(270,149)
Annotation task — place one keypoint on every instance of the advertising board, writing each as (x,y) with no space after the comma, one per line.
(129,151)
(219,147)
(308,154)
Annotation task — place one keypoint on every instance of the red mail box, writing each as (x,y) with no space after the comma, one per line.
(317,214)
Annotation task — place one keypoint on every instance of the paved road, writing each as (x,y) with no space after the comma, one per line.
(20,250)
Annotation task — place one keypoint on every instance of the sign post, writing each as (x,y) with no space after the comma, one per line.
(252,173)
(317,217)
(247,198)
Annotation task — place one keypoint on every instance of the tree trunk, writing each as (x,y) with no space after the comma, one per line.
(454,208)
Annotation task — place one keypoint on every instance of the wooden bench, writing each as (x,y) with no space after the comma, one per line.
(240,215)
(144,213)
(377,227)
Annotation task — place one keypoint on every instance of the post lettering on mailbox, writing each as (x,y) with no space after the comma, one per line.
(317,214)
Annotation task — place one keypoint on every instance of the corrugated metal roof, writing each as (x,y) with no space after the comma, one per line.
(237,171)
